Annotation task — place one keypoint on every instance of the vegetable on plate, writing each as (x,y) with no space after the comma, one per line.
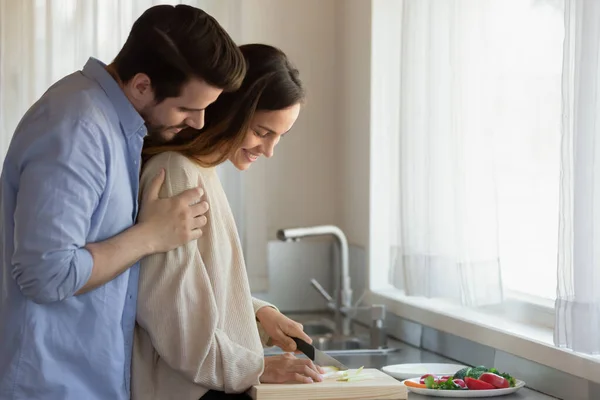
(470,378)
(415,384)
(490,375)
(476,384)
(496,381)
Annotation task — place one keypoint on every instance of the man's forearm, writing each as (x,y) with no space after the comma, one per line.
(115,255)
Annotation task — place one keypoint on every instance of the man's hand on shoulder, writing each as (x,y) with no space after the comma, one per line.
(171,222)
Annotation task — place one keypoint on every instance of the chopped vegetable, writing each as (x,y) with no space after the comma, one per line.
(355,378)
(476,373)
(330,369)
(422,380)
(512,381)
(347,376)
(476,384)
(495,380)
(432,383)
(415,384)
(460,383)
(469,378)
(462,373)
(331,372)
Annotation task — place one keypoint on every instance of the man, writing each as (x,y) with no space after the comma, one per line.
(69,200)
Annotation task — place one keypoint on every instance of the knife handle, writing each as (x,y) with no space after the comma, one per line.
(305,348)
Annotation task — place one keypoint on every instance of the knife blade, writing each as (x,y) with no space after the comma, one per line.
(318,356)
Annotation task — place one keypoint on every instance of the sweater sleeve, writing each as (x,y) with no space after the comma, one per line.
(177,306)
(257,304)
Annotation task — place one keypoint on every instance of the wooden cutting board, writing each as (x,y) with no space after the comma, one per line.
(381,386)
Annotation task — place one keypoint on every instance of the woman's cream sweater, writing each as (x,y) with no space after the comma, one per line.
(196,326)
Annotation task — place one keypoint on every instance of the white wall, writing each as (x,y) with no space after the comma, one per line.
(301,181)
(300,185)
(353,44)
(319,174)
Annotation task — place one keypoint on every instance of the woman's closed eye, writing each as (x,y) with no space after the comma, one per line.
(261,134)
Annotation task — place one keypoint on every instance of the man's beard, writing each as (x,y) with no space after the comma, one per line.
(155,131)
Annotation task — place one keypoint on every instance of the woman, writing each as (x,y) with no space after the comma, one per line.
(200,334)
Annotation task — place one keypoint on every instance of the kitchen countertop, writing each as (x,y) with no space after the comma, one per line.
(408,354)
(405,355)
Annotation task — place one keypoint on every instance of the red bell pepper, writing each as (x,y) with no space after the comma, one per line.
(476,384)
(495,380)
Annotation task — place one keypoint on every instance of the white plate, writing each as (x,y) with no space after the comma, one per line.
(465,394)
(407,371)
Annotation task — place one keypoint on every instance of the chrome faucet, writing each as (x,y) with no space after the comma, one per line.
(342,304)
(343,296)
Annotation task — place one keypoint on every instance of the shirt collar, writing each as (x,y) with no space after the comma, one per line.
(131,121)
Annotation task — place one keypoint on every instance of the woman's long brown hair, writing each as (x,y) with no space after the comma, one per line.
(271,83)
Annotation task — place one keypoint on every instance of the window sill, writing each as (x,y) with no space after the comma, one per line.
(530,341)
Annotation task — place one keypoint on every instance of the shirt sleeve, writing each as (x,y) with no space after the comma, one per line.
(61,178)
(177,308)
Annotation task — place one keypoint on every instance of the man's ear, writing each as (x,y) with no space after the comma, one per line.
(140,88)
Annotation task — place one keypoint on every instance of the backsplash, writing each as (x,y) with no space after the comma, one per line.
(292,265)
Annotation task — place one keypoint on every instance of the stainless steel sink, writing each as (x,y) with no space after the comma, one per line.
(325,339)
(317,329)
(328,343)
(348,346)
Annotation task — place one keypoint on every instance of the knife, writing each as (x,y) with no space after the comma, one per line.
(317,356)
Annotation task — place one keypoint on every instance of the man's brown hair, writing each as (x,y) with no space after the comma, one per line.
(173,44)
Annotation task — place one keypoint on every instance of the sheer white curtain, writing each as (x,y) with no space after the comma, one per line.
(448,231)
(578,302)
(43,40)
(478,149)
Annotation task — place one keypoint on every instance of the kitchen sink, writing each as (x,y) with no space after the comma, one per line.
(325,339)
(315,330)
(332,343)
(348,346)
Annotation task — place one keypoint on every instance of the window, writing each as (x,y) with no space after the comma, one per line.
(528,40)
(484,181)
(474,154)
